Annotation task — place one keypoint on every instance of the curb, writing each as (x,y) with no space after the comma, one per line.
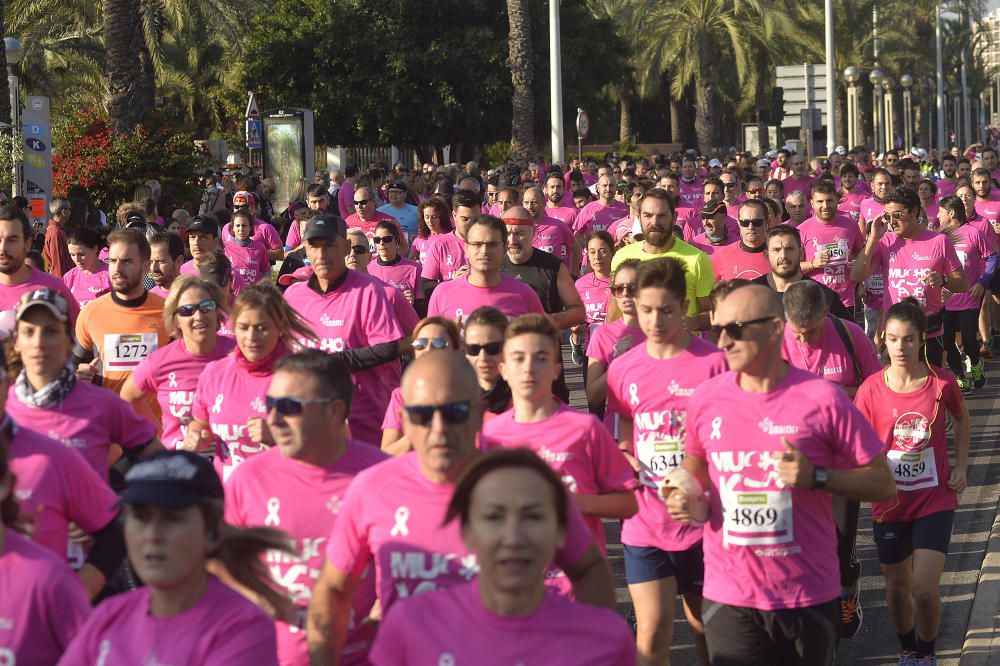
(982,637)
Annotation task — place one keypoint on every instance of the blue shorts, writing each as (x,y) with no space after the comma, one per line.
(897,540)
(647,563)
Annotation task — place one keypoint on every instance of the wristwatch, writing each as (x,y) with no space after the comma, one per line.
(820,478)
(944,279)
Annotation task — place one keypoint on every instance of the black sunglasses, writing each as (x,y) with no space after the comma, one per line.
(729,186)
(735,329)
(755,222)
(378,240)
(289,406)
(359,249)
(205,307)
(423,343)
(454,413)
(623,289)
(491,348)
(361,202)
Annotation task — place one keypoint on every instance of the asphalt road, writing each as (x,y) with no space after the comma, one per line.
(876,643)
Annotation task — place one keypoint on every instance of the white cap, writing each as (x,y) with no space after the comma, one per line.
(714,163)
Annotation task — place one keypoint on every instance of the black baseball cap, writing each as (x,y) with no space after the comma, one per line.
(397,185)
(326,225)
(204,224)
(171,479)
(712,208)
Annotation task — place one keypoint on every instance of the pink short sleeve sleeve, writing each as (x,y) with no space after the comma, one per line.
(951,261)
(578,539)
(348,549)
(129,429)
(91,501)
(199,407)
(143,376)
(612,471)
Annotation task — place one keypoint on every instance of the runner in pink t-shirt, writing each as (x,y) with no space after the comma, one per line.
(446,258)
(831,242)
(601,214)
(85,285)
(768,442)
(746,259)
(395,510)
(648,389)
(907,405)
(298,487)
(595,292)
(172,372)
(552,235)
(263,231)
(392,267)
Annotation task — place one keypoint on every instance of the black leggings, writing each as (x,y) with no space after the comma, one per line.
(965,322)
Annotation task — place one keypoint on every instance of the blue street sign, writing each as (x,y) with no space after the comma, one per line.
(255,127)
(35,144)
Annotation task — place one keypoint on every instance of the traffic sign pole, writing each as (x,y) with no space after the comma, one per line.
(582,130)
(254,133)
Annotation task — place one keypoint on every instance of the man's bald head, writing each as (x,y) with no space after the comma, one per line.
(756,300)
(534,202)
(751,324)
(445,373)
(365,193)
(517,213)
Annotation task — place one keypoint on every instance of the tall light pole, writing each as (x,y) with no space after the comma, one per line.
(831,102)
(888,83)
(852,75)
(942,139)
(876,78)
(956,93)
(555,77)
(15,52)
(907,82)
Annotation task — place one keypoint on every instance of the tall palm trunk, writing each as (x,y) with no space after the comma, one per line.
(521,62)
(676,120)
(123,75)
(5,109)
(704,103)
(625,116)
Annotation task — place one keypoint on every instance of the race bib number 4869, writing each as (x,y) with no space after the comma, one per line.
(757,518)
(124,352)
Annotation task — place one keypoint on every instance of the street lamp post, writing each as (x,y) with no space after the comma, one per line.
(942,139)
(907,82)
(852,75)
(831,102)
(876,78)
(555,76)
(15,52)
(890,129)
(956,97)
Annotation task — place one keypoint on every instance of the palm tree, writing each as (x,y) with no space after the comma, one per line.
(123,71)
(5,109)
(521,62)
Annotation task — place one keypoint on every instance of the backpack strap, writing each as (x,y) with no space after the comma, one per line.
(848,340)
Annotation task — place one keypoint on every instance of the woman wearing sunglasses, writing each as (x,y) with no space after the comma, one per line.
(613,339)
(390,266)
(513,513)
(429,334)
(433,218)
(228,412)
(484,336)
(193,313)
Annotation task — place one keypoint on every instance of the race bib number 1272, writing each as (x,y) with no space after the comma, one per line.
(124,352)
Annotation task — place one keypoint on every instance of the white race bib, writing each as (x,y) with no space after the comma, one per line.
(913,470)
(962,256)
(657,458)
(837,252)
(123,352)
(757,518)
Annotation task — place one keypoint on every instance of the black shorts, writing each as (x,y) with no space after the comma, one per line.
(897,540)
(740,636)
(647,563)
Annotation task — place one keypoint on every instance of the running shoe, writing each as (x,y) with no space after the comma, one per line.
(929,660)
(850,613)
(967,364)
(985,352)
(979,375)
(576,349)
(907,658)
(964,383)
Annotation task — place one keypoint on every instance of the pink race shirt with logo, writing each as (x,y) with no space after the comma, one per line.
(693,227)
(768,546)
(906,262)
(595,216)
(458,298)
(419,248)
(355,315)
(223,627)
(653,394)
(90,419)
(55,486)
(870,209)
(226,398)
(403,275)
(250,262)
(972,248)
(304,501)
(451,627)
(732,261)
(445,256)
(595,293)
(405,314)
(875,284)
(912,426)
(355,221)
(984,225)
(945,188)
(85,286)
(842,241)
(850,204)
(42,603)
(575,445)
(553,236)
(11,294)
(172,373)
(691,194)
(605,337)
(393,513)
(830,359)
(702,243)
(803,185)
(262,231)
(566,213)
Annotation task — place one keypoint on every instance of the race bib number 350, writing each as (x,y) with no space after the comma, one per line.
(757,518)
(124,352)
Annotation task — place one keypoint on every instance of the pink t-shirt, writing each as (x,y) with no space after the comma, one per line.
(392,418)
(262,231)
(596,216)
(803,185)
(250,262)
(42,603)
(226,398)
(567,212)
(842,241)
(172,372)
(972,248)
(458,298)
(406,315)
(160,291)
(693,227)
(605,337)
(702,243)
(984,225)
(303,501)
(767,546)
(11,294)
(850,204)
(575,445)
(452,626)
(732,261)
(988,208)
(393,513)
(345,199)
(355,315)
(912,429)
(55,486)
(931,212)
(419,247)
(403,275)
(189,268)
(692,193)
(355,221)
(85,286)
(594,292)
(870,209)
(554,237)
(906,262)
(90,419)
(639,391)
(222,629)
(831,360)
(445,256)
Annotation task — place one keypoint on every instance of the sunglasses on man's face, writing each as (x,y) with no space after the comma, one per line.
(289,406)
(491,348)
(752,222)
(205,307)
(453,413)
(359,249)
(735,330)
(361,202)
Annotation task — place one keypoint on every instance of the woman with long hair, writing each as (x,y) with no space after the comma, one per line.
(595,290)
(433,218)
(229,418)
(177,542)
(193,314)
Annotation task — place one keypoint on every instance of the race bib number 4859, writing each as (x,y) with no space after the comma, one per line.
(124,352)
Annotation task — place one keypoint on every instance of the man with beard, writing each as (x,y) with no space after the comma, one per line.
(165,261)
(551,234)
(16,276)
(784,255)
(946,183)
(746,259)
(556,203)
(120,328)
(656,216)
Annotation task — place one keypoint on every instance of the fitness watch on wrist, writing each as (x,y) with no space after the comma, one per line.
(820,478)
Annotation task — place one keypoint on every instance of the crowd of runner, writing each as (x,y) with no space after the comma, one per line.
(341,432)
